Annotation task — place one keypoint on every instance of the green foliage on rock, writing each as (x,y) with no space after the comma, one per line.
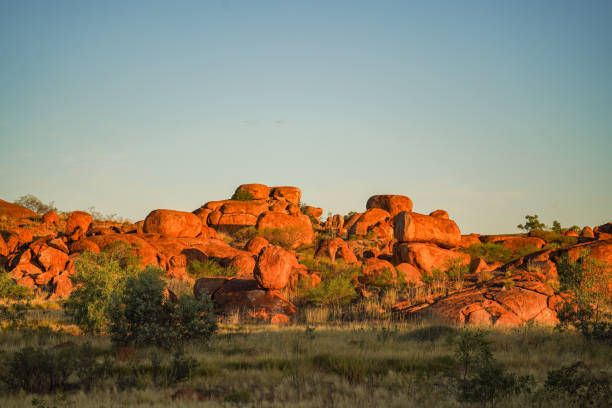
(10,290)
(242,195)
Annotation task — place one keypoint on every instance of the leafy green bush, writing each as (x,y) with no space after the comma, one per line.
(207,269)
(10,290)
(553,238)
(242,195)
(337,283)
(490,252)
(140,314)
(246,234)
(96,277)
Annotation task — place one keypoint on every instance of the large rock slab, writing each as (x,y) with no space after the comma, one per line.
(414,227)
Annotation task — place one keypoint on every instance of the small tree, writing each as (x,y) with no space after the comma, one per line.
(587,307)
(97,276)
(532,223)
(35,204)
(142,316)
(556,227)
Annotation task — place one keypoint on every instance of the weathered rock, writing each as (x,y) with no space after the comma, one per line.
(414,227)
(58,243)
(515,243)
(273,268)
(299,226)
(313,212)
(469,240)
(257,191)
(207,286)
(256,244)
(290,194)
(243,264)
(83,245)
(393,204)
(4,250)
(11,210)
(410,273)
(78,223)
(428,257)
(335,247)
(173,223)
(439,214)
(62,285)
(52,259)
(234,215)
(378,271)
(369,219)
(587,232)
(50,218)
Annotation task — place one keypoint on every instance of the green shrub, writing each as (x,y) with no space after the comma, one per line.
(242,195)
(96,277)
(239,397)
(337,283)
(140,315)
(482,379)
(180,368)
(245,234)
(10,290)
(207,269)
(40,371)
(14,315)
(579,386)
(555,239)
(490,252)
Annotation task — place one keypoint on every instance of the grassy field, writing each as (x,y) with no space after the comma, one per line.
(373,363)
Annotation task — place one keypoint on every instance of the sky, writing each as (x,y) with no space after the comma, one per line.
(490,110)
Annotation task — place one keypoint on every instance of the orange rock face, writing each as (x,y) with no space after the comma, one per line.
(369,219)
(314,212)
(439,214)
(172,223)
(256,244)
(78,222)
(50,218)
(428,257)
(414,227)
(258,191)
(335,247)
(587,232)
(243,264)
(469,240)
(515,243)
(298,225)
(273,268)
(393,204)
(411,274)
(290,194)
(378,271)
(11,210)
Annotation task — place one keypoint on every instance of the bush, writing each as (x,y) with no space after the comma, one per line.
(14,315)
(207,269)
(242,195)
(336,287)
(482,378)
(587,307)
(41,371)
(33,203)
(555,239)
(246,234)
(579,386)
(97,276)
(140,315)
(10,290)
(490,252)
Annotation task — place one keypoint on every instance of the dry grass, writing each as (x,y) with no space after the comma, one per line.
(381,362)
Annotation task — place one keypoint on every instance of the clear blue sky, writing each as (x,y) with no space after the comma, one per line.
(488,109)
